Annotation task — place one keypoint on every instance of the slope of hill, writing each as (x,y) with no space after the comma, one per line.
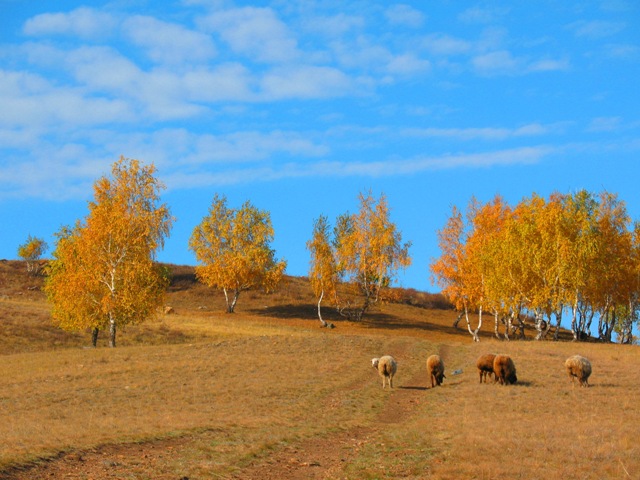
(26,324)
(265,393)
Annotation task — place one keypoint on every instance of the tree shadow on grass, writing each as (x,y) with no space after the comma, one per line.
(310,312)
(373,320)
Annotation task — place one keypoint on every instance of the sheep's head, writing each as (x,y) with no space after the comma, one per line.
(374,362)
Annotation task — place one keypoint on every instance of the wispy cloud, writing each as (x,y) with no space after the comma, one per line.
(405,15)
(445,45)
(306,82)
(596,29)
(605,124)
(468,134)
(496,63)
(256,33)
(375,169)
(168,42)
(82,22)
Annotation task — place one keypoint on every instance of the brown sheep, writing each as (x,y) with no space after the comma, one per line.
(580,368)
(386,367)
(504,369)
(485,366)
(435,367)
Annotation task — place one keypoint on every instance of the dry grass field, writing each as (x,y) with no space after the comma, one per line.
(267,394)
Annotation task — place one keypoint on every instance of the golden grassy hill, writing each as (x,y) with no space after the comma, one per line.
(267,394)
(25,322)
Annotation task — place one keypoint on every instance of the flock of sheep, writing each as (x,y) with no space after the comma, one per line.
(501,367)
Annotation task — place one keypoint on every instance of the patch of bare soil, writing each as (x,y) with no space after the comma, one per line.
(130,461)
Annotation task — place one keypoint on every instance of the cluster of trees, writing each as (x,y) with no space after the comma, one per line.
(351,264)
(103,273)
(576,253)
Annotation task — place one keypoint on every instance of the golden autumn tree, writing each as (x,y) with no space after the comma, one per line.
(31,251)
(369,253)
(103,273)
(323,271)
(484,256)
(612,277)
(448,270)
(233,247)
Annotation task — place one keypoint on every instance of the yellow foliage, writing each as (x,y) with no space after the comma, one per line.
(366,254)
(31,251)
(103,272)
(234,252)
(572,252)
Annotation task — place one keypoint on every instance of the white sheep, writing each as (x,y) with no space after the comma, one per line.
(580,368)
(387,367)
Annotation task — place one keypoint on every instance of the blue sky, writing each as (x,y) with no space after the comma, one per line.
(298,106)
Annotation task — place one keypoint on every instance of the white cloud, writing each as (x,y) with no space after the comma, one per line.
(468,134)
(168,42)
(334,26)
(549,65)
(158,94)
(30,101)
(481,15)
(83,22)
(305,82)
(257,33)
(445,45)
(407,64)
(226,82)
(363,53)
(495,63)
(405,15)
(623,51)
(105,69)
(184,159)
(375,169)
(605,124)
(596,29)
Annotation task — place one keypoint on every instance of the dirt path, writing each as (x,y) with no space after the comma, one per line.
(326,457)
(316,458)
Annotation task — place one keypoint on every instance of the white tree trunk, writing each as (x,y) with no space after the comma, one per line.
(324,324)
(474,333)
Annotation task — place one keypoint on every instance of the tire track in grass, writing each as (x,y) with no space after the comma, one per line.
(326,457)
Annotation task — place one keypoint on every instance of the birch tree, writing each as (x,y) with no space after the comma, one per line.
(233,248)
(450,269)
(31,251)
(103,273)
(369,253)
(323,271)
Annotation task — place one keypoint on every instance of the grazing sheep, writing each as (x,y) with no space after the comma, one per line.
(435,367)
(504,369)
(580,368)
(387,367)
(485,366)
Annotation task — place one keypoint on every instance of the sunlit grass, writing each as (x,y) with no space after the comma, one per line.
(203,394)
